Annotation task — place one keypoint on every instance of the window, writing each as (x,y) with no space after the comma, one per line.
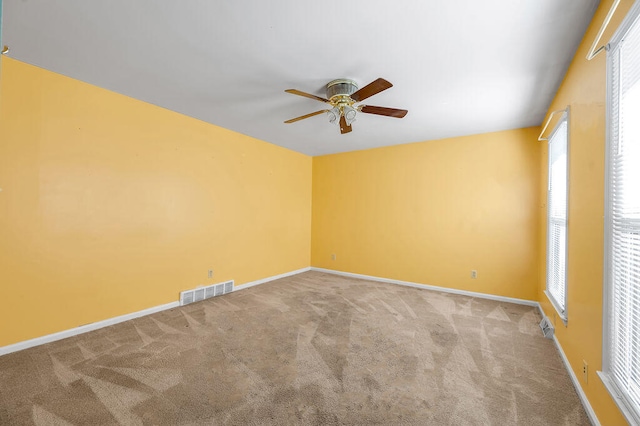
(557,219)
(621,353)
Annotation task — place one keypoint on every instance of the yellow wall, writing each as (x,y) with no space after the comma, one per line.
(584,90)
(110,205)
(431,212)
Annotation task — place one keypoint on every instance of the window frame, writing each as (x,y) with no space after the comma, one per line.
(630,410)
(561,311)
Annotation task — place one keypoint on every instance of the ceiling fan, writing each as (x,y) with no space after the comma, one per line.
(342,95)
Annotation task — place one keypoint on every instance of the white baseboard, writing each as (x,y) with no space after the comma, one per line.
(115,320)
(83,329)
(266,280)
(574,379)
(430,287)
(583,397)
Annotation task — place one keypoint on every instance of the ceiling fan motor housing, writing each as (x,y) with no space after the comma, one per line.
(341,87)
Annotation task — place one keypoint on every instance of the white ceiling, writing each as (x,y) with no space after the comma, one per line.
(460,66)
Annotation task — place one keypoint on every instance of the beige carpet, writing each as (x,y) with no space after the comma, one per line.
(313,349)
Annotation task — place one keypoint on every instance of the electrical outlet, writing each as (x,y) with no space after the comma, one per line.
(474,274)
(585,371)
(333,257)
(210,273)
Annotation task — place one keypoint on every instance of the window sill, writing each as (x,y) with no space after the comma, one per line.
(628,413)
(561,314)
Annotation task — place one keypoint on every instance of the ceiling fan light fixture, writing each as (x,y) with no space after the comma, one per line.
(349,113)
(334,115)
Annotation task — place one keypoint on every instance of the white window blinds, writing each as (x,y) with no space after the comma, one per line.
(557,218)
(622,270)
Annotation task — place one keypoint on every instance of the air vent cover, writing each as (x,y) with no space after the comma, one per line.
(201,293)
(547,328)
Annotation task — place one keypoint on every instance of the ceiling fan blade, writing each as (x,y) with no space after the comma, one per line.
(344,127)
(389,112)
(302,117)
(306,95)
(371,89)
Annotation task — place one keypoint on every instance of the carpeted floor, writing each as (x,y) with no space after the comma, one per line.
(312,349)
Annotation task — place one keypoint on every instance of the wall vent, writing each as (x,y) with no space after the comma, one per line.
(547,328)
(219,289)
(201,293)
(209,292)
(198,294)
(186,297)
